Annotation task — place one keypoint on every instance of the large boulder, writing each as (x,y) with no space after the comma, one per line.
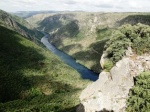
(111,90)
(103,59)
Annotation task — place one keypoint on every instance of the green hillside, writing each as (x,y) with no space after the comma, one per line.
(33,80)
(19,25)
(82,35)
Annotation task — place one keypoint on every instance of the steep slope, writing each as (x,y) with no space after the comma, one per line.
(129,51)
(37,19)
(83,35)
(33,79)
(54,22)
(21,26)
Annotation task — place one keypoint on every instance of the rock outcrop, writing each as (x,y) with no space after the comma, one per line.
(111,90)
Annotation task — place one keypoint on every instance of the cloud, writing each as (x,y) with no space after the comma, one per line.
(104,5)
(85,5)
(70,2)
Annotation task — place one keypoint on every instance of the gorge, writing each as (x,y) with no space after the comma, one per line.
(61,75)
(84,72)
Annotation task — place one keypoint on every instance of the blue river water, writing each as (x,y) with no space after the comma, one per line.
(84,72)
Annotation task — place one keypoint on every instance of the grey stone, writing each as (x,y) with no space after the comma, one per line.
(111,90)
(129,52)
(103,59)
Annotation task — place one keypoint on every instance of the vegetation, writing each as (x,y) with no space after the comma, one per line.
(33,79)
(89,32)
(69,30)
(143,18)
(87,46)
(139,100)
(137,37)
(21,26)
(103,33)
(108,65)
(55,22)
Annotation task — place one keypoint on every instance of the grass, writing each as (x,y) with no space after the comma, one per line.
(33,79)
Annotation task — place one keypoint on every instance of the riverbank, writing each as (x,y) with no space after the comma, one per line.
(84,72)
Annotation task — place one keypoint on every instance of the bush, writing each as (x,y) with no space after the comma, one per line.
(139,96)
(137,37)
(108,65)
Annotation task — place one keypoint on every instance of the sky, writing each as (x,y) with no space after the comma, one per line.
(76,5)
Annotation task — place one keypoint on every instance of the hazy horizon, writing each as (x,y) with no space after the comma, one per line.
(76,5)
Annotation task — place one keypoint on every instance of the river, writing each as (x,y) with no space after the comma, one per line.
(84,72)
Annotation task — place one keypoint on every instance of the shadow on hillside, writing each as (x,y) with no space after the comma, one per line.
(19,83)
(98,48)
(60,100)
(134,19)
(72,109)
(71,30)
(54,22)
(93,54)
(49,24)
(55,96)
(30,34)
(72,46)
(16,57)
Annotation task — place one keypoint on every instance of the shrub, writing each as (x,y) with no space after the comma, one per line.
(137,37)
(139,96)
(108,65)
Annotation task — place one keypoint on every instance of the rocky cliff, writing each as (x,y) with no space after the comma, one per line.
(19,25)
(111,90)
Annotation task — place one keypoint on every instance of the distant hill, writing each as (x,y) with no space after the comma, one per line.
(27,14)
(83,34)
(33,79)
(21,26)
